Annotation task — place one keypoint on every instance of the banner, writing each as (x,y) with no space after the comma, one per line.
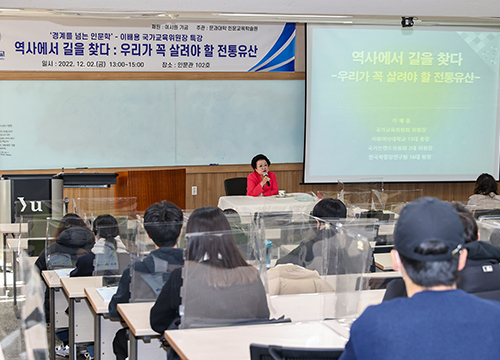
(39,45)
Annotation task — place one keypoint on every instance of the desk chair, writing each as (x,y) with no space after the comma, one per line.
(274,352)
(236,186)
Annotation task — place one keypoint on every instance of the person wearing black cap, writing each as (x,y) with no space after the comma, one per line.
(437,320)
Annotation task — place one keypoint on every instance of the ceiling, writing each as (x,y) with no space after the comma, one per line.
(483,11)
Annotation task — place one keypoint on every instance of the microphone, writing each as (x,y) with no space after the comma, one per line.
(268,183)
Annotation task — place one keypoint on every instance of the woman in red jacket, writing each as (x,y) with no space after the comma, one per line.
(261,180)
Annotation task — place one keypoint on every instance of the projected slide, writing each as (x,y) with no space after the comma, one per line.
(386,104)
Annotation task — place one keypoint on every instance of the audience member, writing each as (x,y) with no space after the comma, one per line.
(72,237)
(479,253)
(220,284)
(107,235)
(485,193)
(309,253)
(437,320)
(163,223)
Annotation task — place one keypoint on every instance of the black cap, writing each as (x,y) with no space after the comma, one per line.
(428,219)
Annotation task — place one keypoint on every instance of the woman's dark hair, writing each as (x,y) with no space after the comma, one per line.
(209,240)
(485,185)
(330,208)
(468,222)
(68,221)
(106,227)
(431,273)
(257,158)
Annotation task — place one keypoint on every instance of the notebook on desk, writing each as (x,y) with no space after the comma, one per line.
(106,293)
(62,273)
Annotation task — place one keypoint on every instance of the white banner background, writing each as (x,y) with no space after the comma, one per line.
(40,45)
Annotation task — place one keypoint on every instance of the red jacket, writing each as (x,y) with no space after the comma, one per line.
(254,188)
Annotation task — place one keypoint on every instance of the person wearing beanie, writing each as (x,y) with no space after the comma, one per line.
(436,320)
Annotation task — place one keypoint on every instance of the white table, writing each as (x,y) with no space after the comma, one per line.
(144,341)
(81,324)
(233,342)
(250,205)
(316,307)
(58,305)
(105,328)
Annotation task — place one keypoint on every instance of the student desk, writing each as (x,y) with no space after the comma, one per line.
(16,245)
(58,306)
(105,327)
(8,228)
(81,326)
(316,307)
(233,342)
(143,339)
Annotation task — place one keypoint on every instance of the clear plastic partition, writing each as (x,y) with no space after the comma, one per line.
(352,199)
(297,265)
(282,232)
(353,254)
(32,310)
(25,210)
(220,287)
(25,337)
(35,213)
(489,229)
(112,252)
(64,244)
(393,200)
(153,263)
(28,236)
(90,208)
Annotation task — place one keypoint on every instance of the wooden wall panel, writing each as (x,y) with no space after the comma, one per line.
(210,183)
(150,186)
(75,193)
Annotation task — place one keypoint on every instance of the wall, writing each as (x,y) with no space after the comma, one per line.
(210,183)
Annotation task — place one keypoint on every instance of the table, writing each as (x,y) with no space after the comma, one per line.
(383,261)
(58,306)
(316,307)
(233,342)
(81,326)
(105,327)
(10,228)
(142,338)
(250,204)
(16,245)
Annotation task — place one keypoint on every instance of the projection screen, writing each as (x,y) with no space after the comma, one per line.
(390,104)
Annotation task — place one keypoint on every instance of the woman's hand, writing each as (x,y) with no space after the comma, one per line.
(265,179)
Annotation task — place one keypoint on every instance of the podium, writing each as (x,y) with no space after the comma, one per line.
(28,196)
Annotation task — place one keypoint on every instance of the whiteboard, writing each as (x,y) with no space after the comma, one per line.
(102,124)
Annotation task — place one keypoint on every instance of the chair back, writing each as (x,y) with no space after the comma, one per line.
(236,186)
(482,280)
(274,352)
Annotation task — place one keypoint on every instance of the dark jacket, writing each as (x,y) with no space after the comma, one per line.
(175,259)
(471,279)
(74,241)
